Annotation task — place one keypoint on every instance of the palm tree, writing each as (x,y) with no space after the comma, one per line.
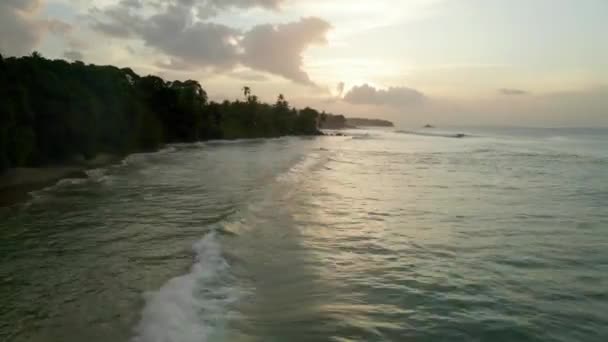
(246,91)
(281,102)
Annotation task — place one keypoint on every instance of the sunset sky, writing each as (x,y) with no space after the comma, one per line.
(485,62)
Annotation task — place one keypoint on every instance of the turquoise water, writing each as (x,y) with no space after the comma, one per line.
(381,236)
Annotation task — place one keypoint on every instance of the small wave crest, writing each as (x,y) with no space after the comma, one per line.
(168,149)
(306,164)
(98,175)
(45,193)
(194,307)
(138,158)
(69,181)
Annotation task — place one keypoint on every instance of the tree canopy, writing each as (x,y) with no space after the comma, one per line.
(53,111)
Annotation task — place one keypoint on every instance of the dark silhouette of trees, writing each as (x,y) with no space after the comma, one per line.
(246,91)
(53,111)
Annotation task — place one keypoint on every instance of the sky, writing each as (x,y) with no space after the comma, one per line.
(452,62)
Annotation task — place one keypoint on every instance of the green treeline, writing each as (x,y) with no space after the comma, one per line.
(53,111)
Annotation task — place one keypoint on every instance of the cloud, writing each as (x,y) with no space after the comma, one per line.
(246,75)
(583,107)
(175,28)
(57,27)
(19,29)
(23,5)
(116,21)
(393,97)
(340,88)
(112,29)
(512,92)
(271,4)
(172,31)
(202,44)
(125,19)
(278,49)
(73,55)
(132,3)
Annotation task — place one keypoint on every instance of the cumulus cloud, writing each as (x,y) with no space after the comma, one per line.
(117,20)
(251,76)
(19,29)
(23,5)
(278,49)
(203,5)
(202,44)
(57,27)
(132,3)
(512,92)
(340,88)
(172,31)
(176,29)
(272,4)
(394,96)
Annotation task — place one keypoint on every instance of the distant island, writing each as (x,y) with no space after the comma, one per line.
(341,122)
(368,122)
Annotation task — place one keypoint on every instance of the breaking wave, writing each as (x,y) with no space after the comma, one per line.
(194,307)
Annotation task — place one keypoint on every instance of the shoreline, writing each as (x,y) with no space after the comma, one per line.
(16,184)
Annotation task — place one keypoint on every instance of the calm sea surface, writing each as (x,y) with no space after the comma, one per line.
(501,235)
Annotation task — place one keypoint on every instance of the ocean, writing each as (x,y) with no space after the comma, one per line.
(462,234)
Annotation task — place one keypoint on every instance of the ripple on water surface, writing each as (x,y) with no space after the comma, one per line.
(391,237)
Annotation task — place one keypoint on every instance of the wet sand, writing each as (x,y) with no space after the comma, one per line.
(16,184)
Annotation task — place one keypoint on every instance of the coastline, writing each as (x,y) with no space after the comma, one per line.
(16,184)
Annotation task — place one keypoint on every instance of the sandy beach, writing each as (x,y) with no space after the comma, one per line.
(16,184)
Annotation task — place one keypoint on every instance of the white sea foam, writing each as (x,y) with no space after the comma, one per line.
(68,182)
(194,307)
(43,193)
(98,175)
(168,149)
(137,158)
(301,167)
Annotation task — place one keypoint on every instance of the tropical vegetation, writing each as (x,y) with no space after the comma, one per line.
(52,111)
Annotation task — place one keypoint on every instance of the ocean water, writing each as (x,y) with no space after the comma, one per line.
(500,235)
